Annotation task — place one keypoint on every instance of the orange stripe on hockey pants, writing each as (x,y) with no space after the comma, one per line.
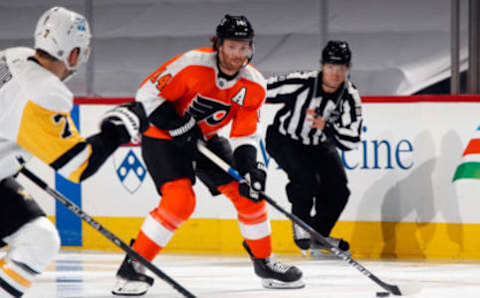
(176,206)
(250,214)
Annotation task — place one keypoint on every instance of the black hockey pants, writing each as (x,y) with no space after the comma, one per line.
(317,179)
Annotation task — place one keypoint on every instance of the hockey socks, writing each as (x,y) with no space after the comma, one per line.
(252,220)
(176,206)
(15,278)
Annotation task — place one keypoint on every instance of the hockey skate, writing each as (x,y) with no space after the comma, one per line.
(274,274)
(131,279)
(301,238)
(318,251)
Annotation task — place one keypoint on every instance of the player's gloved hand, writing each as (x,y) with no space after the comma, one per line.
(255,182)
(126,122)
(187,135)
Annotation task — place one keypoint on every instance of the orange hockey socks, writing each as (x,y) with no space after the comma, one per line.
(176,206)
(252,220)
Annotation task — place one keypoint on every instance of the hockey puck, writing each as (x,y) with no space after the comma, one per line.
(383,294)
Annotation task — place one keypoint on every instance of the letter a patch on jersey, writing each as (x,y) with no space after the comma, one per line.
(239,97)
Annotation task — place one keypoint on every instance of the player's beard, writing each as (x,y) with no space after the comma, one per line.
(231,64)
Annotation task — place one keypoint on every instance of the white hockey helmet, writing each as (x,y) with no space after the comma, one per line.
(59,31)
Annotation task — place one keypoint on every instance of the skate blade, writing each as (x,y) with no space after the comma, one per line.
(276,284)
(125,287)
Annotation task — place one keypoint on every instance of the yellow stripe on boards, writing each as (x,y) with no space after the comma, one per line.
(367,239)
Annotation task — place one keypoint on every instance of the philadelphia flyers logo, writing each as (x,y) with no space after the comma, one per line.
(208,109)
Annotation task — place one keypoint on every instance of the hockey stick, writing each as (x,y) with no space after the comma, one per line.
(394,289)
(102,230)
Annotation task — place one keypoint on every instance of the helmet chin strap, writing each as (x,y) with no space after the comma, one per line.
(70,70)
(252,53)
(70,75)
(81,58)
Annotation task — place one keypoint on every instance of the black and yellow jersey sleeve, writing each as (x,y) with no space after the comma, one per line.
(54,139)
(35,114)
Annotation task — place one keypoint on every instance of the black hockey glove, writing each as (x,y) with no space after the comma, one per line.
(187,134)
(255,182)
(125,122)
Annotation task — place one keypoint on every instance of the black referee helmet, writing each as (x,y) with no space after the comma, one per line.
(337,52)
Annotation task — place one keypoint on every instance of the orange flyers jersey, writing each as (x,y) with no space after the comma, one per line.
(191,83)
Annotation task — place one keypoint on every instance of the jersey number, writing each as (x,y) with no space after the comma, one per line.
(58,119)
(161,82)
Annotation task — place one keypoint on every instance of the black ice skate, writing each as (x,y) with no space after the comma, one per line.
(274,274)
(317,250)
(301,238)
(131,279)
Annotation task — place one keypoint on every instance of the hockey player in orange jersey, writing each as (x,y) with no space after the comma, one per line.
(191,97)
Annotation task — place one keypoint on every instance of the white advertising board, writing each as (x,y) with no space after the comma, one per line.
(402,170)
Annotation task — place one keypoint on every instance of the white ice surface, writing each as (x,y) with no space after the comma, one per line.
(91,274)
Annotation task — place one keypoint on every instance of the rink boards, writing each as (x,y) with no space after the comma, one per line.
(403,200)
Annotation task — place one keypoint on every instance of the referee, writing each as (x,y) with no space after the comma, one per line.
(321,112)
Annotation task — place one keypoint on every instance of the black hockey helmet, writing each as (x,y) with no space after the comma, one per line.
(235,27)
(336,52)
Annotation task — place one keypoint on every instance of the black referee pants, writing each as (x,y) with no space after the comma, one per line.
(317,179)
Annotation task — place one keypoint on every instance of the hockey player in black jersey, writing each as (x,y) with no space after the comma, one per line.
(321,112)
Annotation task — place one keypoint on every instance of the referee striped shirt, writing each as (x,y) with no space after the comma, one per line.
(299,91)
